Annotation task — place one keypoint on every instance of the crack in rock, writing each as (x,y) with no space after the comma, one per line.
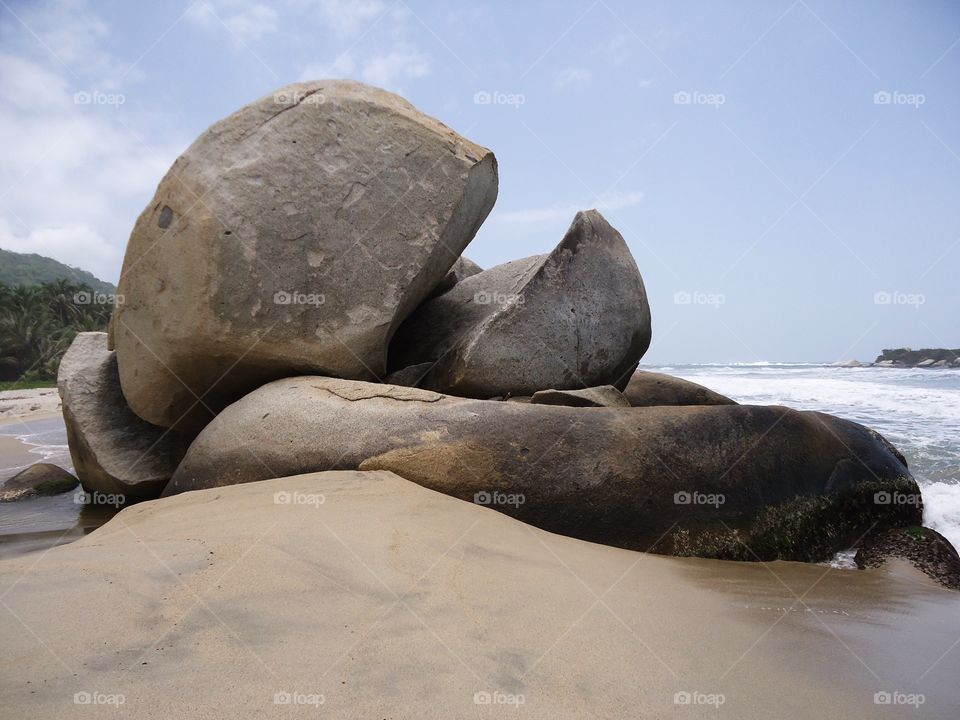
(398,394)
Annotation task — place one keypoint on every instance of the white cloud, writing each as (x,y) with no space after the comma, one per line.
(566,212)
(387,70)
(401,63)
(342,67)
(73,176)
(572,77)
(380,51)
(348,17)
(77,245)
(27,85)
(247,23)
(72,39)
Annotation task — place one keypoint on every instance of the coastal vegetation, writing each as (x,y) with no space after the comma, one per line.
(38,323)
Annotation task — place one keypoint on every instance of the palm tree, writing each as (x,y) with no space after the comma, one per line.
(38,323)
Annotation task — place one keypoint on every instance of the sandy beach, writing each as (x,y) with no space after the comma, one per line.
(17,405)
(374,597)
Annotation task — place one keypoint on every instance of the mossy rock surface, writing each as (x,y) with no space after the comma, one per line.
(926,549)
(808,528)
(41,479)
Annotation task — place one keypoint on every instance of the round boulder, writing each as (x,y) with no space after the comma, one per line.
(38,479)
(293,236)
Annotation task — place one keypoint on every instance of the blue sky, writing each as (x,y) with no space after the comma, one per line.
(778,207)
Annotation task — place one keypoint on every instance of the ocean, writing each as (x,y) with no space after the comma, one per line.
(917,410)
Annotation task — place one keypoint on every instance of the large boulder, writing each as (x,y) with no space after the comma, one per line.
(293,236)
(725,481)
(575,318)
(649,389)
(114,452)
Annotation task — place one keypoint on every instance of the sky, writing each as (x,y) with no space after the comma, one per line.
(786,173)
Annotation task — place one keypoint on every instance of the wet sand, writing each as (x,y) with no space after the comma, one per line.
(37,523)
(14,453)
(383,599)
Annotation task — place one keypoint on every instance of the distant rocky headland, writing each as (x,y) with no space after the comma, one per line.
(908,358)
(930,357)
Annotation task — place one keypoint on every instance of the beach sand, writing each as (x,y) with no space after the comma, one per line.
(29,403)
(15,452)
(387,600)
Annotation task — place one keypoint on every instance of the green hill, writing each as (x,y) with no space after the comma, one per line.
(29,269)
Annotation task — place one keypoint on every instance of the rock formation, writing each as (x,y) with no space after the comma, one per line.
(647,389)
(603,396)
(721,481)
(114,452)
(575,318)
(293,236)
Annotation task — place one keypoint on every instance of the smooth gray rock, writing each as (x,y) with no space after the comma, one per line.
(114,452)
(463,268)
(293,236)
(575,318)
(409,376)
(717,481)
(649,389)
(603,396)
(38,479)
